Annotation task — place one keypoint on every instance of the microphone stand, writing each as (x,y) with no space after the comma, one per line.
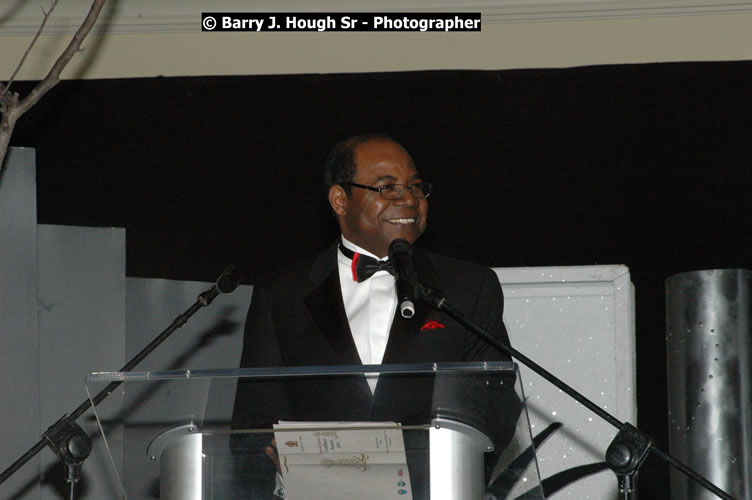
(66,438)
(629,447)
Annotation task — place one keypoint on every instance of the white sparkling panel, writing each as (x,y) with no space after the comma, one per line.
(578,323)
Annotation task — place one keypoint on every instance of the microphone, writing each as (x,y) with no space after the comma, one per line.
(229,280)
(401,255)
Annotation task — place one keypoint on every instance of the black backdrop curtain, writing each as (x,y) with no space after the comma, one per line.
(643,165)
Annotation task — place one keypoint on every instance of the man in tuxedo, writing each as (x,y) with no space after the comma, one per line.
(324,311)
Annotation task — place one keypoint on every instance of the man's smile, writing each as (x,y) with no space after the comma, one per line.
(403,220)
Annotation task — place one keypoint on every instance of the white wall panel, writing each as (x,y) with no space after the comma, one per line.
(578,323)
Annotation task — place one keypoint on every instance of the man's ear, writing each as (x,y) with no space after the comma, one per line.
(338,199)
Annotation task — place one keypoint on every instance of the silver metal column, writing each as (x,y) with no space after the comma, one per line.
(456,460)
(709,345)
(179,452)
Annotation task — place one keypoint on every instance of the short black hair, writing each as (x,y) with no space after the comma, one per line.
(340,165)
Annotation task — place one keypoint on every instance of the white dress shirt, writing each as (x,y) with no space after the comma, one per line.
(369,306)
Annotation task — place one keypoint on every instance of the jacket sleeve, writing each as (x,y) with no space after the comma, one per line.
(258,404)
(503,403)
(488,314)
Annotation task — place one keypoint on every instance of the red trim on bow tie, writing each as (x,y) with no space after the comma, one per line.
(431,325)
(354,266)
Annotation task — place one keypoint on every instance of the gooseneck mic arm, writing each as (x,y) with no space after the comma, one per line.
(629,448)
(66,438)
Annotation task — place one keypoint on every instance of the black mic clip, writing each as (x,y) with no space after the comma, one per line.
(70,443)
(227,282)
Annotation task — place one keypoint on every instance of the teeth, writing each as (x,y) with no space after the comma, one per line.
(409,220)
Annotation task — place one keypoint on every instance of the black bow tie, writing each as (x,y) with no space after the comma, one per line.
(364,266)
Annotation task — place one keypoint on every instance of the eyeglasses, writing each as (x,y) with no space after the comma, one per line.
(397,191)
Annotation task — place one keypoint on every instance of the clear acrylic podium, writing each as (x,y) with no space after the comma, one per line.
(427,431)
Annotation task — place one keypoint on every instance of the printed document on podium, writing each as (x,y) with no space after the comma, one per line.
(343,460)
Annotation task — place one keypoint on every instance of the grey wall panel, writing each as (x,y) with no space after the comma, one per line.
(19,362)
(81,329)
(212,338)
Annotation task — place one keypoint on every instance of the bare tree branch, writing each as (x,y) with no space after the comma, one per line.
(12,107)
(53,4)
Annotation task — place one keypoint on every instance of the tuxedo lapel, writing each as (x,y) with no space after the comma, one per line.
(407,344)
(327,309)
(325,305)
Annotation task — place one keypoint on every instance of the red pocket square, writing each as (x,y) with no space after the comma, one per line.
(431,325)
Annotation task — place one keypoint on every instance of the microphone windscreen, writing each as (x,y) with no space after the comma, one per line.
(399,246)
(229,280)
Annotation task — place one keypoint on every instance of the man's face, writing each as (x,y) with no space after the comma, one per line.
(367,219)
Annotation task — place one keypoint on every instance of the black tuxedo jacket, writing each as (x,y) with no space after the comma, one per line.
(297,318)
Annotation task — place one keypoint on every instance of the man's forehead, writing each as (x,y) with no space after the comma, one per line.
(384,160)
(389,176)
(391,173)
